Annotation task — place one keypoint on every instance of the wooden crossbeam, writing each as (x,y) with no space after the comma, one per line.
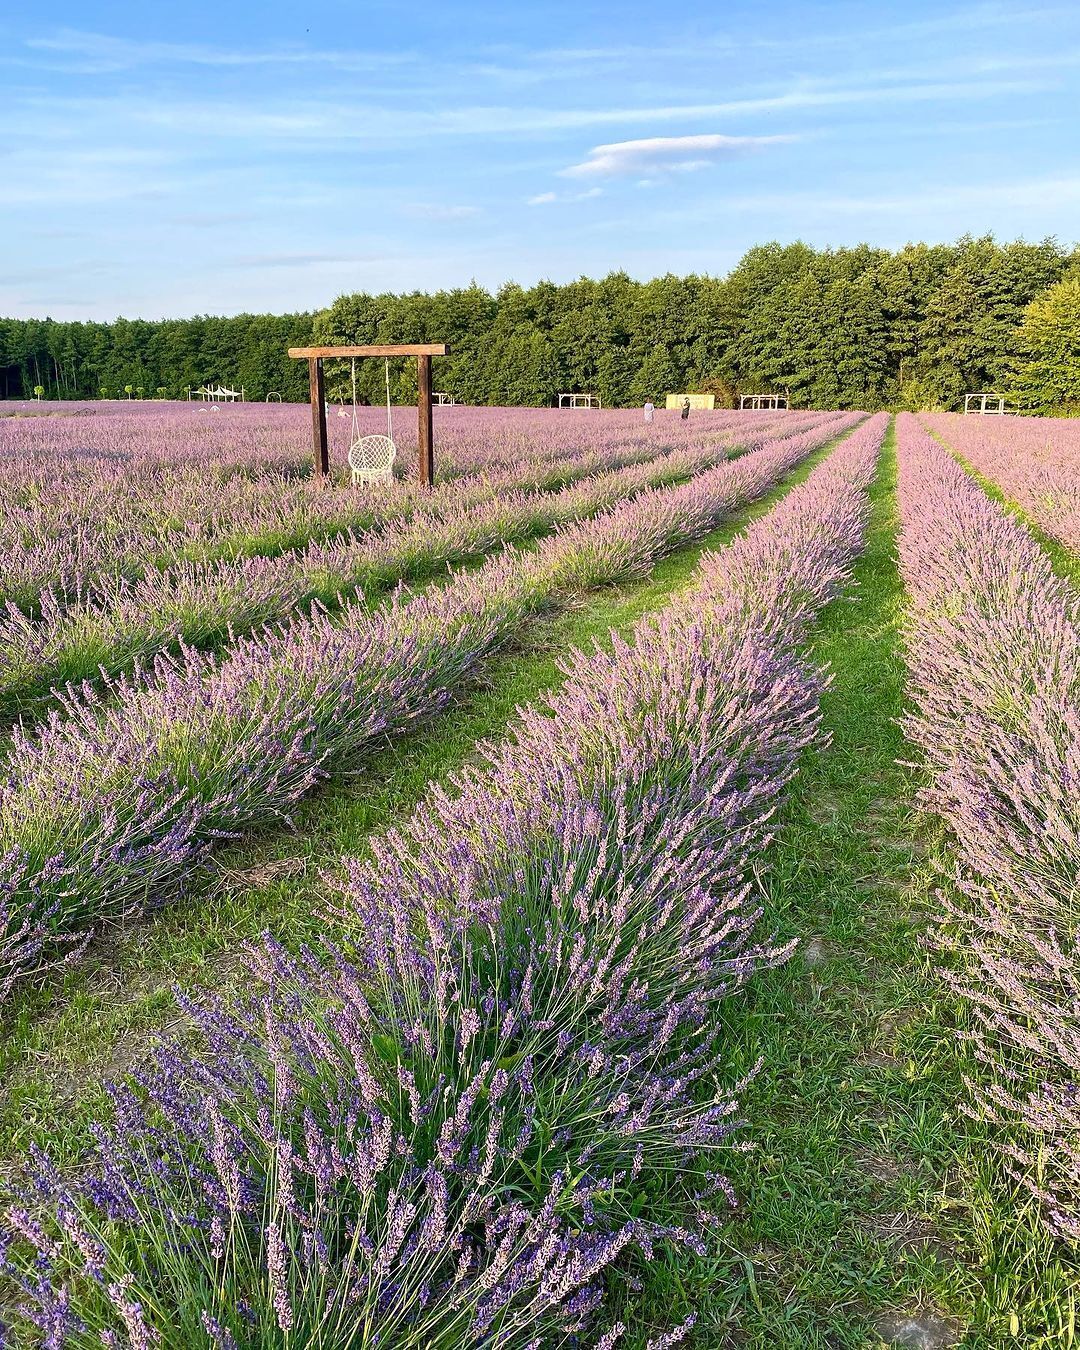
(393,349)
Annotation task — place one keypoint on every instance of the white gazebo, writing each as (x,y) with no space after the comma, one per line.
(763,402)
(580,401)
(217,393)
(444,400)
(985,403)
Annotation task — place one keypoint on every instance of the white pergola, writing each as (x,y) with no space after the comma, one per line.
(444,400)
(760,402)
(994,404)
(217,393)
(580,401)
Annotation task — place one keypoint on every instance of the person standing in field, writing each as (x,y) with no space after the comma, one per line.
(649,410)
(685,409)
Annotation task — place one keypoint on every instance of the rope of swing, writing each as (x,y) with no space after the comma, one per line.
(389,405)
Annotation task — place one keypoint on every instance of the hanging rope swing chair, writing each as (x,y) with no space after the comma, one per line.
(371,458)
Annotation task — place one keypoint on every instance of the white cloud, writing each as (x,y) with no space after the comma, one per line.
(299,260)
(107,53)
(435,211)
(665,153)
(545,198)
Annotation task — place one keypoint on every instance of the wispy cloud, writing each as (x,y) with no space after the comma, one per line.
(547,198)
(672,154)
(210,220)
(299,260)
(103,52)
(323,122)
(436,211)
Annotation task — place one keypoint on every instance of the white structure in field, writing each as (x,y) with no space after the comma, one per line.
(580,401)
(985,403)
(371,459)
(759,402)
(444,400)
(273,396)
(217,393)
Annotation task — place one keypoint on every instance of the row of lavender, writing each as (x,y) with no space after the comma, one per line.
(993,650)
(1035,461)
(118,622)
(248,439)
(454,1143)
(66,519)
(110,805)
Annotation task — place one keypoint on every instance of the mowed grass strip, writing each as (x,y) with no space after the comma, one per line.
(59,1042)
(856,1225)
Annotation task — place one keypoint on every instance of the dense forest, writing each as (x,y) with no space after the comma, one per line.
(848,327)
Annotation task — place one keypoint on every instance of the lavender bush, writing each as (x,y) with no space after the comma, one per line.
(1035,461)
(993,650)
(450,1144)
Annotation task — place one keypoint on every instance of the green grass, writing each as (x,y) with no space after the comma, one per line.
(60,1041)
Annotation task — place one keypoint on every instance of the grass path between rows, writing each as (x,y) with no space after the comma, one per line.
(855,1225)
(61,1041)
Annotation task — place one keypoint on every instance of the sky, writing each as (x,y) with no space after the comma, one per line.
(252,155)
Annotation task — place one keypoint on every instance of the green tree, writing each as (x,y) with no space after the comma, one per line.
(966,336)
(656,377)
(1047,377)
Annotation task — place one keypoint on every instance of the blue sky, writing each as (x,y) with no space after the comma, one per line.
(172,159)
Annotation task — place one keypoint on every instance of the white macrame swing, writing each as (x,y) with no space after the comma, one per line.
(371,458)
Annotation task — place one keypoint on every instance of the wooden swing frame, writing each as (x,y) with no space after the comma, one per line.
(423,351)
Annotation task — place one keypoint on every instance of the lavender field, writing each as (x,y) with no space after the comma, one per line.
(623,896)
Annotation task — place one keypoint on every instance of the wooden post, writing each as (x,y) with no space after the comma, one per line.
(318,416)
(424,436)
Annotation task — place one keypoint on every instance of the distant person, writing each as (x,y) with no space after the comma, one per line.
(649,410)
(685,409)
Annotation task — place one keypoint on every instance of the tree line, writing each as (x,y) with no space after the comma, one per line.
(849,327)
